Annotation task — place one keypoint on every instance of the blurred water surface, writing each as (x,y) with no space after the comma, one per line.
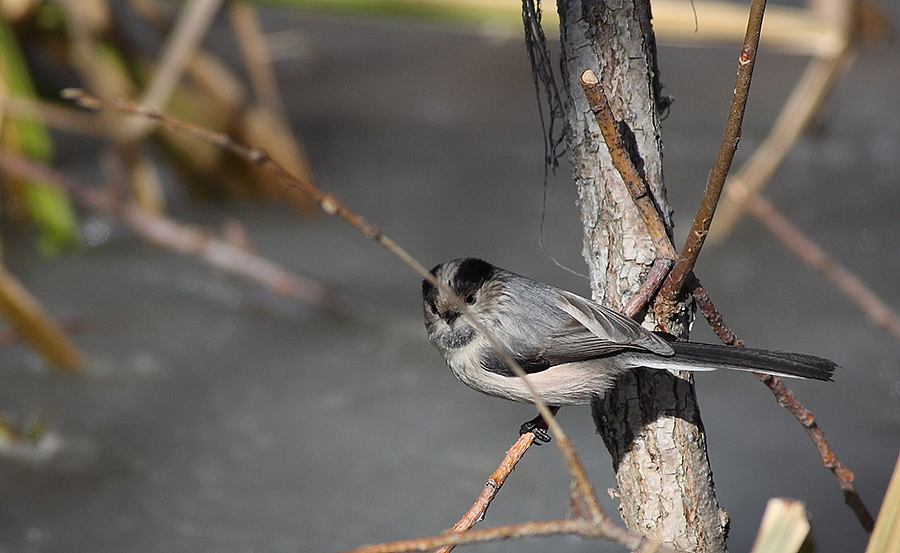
(215,417)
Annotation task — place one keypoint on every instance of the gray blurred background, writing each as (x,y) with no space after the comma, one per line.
(216,417)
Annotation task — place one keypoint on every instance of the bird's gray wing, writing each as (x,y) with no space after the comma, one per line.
(591,330)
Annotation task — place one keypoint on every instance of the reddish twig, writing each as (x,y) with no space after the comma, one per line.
(475,514)
(730,137)
(648,288)
(786,398)
(711,314)
(634,181)
(844,476)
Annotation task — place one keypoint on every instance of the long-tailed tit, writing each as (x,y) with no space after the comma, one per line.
(572,348)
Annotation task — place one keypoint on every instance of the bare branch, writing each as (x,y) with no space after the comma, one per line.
(475,514)
(799,110)
(786,398)
(712,316)
(730,137)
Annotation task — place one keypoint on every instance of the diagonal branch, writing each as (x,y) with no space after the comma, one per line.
(732,134)
(476,512)
(638,189)
(786,398)
(815,257)
(634,181)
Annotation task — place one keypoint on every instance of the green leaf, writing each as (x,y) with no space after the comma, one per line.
(48,205)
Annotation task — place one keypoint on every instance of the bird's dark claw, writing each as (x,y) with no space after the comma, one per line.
(538,427)
(541,436)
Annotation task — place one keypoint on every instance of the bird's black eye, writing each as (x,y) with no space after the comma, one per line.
(470,299)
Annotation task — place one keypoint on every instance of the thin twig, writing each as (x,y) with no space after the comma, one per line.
(191,241)
(844,476)
(648,288)
(810,253)
(328,203)
(800,108)
(476,512)
(711,314)
(577,527)
(730,137)
(786,398)
(53,115)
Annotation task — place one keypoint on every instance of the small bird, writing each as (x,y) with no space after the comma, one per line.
(572,348)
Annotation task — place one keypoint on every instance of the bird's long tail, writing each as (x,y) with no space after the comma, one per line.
(694,356)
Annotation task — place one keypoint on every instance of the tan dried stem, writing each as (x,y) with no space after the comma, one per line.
(817,258)
(266,124)
(257,60)
(186,240)
(35,325)
(192,25)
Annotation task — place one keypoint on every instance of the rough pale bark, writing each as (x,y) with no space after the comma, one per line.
(650,421)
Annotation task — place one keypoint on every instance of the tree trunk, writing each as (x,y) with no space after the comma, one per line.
(650,422)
